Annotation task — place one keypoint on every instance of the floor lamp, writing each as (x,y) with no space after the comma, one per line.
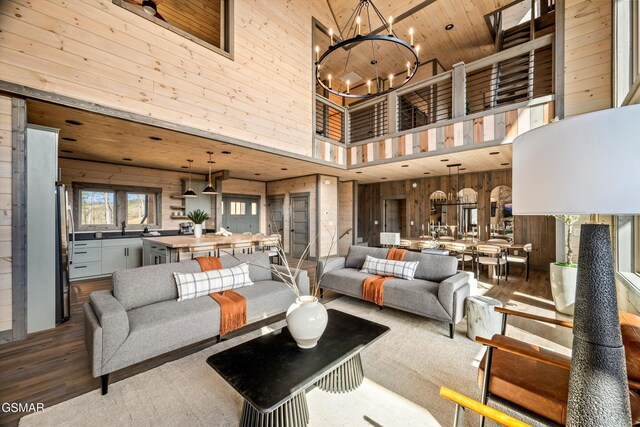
(588,164)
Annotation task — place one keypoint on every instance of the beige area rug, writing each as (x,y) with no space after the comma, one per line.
(404,371)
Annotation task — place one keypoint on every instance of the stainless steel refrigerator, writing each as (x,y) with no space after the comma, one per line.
(64,253)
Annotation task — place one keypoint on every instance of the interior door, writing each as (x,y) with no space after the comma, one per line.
(241,214)
(299,224)
(392,216)
(275,215)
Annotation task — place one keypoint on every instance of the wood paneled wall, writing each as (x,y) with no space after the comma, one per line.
(328,218)
(170,182)
(95,51)
(588,56)
(6,309)
(252,188)
(345,215)
(303,184)
(538,230)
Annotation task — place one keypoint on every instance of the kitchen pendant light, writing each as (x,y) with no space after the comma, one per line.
(189,192)
(209,189)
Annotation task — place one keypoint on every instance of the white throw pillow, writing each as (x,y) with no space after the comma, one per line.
(386,267)
(193,285)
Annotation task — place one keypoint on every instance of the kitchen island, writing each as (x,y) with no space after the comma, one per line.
(162,250)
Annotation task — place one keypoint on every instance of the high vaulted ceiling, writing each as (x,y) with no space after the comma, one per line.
(470,38)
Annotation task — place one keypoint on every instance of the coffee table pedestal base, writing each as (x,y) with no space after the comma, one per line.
(293,413)
(345,378)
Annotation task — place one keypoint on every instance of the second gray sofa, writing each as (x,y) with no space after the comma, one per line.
(438,290)
(142,317)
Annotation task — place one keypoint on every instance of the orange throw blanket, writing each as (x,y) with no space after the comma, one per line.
(233,306)
(373,287)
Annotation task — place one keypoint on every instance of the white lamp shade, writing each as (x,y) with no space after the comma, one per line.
(392,239)
(588,164)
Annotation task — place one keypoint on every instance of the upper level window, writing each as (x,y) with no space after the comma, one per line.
(628,248)
(105,207)
(206,22)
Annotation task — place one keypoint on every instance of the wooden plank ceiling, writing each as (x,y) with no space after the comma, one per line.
(469,39)
(200,18)
(108,139)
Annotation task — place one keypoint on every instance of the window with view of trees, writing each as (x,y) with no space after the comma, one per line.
(105,207)
(628,248)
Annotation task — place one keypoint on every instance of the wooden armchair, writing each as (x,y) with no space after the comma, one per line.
(535,381)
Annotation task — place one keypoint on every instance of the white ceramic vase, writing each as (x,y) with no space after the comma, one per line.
(306,321)
(563,287)
(197,230)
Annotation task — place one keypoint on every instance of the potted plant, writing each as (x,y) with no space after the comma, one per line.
(564,275)
(198,217)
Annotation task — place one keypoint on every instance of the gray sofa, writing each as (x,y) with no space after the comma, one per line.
(438,290)
(142,318)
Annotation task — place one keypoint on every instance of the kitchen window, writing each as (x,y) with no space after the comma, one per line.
(106,207)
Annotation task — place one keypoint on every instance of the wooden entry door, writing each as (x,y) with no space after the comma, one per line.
(299,224)
(392,216)
(275,216)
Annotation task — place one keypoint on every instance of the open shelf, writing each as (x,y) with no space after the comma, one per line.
(179,217)
(177,208)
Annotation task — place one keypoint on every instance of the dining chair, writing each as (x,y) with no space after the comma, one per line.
(496,240)
(446,238)
(459,250)
(245,246)
(270,246)
(491,255)
(521,260)
(405,244)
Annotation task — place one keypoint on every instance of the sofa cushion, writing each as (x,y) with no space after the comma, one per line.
(357,255)
(390,268)
(142,286)
(259,264)
(417,296)
(193,285)
(165,326)
(434,268)
(347,281)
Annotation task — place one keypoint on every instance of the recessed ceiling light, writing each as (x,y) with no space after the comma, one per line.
(426,173)
(405,166)
(493,153)
(67,151)
(155,138)
(359,172)
(127,159)
(383,178)
(184,167)
(448,27)
(504,164)
(74,122)
(284,169)
(226,152)
(66,138)
(257,174)
(444,160)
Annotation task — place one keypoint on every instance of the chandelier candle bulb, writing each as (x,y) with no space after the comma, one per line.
(329,78)
(348,85)
(390,80)
(330,36)
(358,24)
(411,35)
(317,53)
(369,87)
(418,52)
(408,69)
(391,25)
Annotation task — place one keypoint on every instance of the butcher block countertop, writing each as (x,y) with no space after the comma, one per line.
(186,242)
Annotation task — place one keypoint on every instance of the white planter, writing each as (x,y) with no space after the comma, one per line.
(563,287)
(306,321)
(197,230)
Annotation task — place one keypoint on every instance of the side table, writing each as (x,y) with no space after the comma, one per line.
(482,320)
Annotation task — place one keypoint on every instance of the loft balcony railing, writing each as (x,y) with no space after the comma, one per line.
(511,77)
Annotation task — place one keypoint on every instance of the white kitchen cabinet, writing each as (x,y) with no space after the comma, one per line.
(102,257)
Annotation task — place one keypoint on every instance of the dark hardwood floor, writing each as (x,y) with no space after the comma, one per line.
(53,366)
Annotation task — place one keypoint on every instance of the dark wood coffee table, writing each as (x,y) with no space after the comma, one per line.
(272,373)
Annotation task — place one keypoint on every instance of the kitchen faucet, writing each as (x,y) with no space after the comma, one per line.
(124,226)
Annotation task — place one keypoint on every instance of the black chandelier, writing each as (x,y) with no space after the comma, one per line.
(380,55)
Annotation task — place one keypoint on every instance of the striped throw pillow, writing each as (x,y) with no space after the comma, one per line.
(193,285)
(385,267)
